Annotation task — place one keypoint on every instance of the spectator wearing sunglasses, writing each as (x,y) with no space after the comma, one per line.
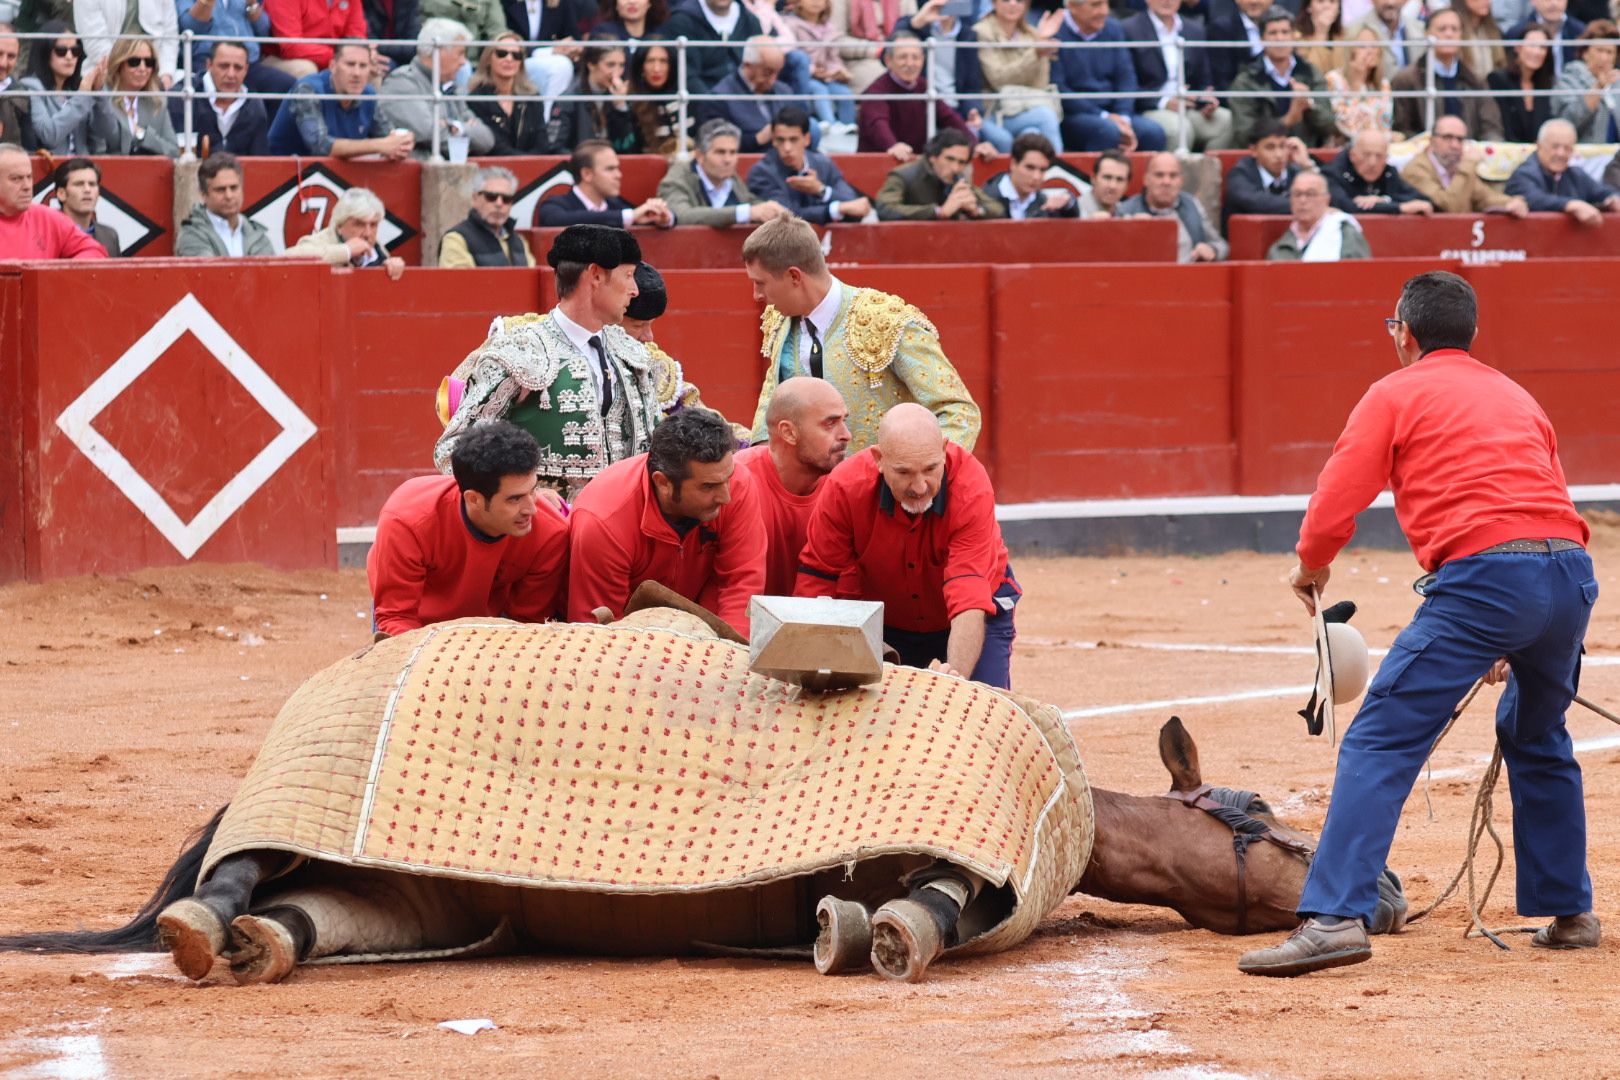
(61,118)
(498,91)
(487,237)
(128,124)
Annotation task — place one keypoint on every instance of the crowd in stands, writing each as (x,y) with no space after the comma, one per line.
(804,76)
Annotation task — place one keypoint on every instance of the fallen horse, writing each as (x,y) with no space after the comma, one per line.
(479,787)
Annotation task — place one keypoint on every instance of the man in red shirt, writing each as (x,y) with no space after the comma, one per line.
(476,543)
(681,514)
(808,424)
(915,518)
(1481,496)
(31,231)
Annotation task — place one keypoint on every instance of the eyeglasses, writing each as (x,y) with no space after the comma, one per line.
(1392,324)
(141,61)
(497,196)
(67,50)
(507,54)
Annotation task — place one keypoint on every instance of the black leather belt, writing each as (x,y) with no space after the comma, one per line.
(1542,546)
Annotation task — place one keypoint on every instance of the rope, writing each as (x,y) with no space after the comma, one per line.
(1480,825)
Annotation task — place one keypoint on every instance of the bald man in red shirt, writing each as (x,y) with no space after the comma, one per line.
(1481,496)
(808,424)
(914,518)
(681,514)
(476,543)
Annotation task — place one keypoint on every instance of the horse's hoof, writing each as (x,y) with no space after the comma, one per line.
(844,941)
(193,934)
(905,940)
(264,950)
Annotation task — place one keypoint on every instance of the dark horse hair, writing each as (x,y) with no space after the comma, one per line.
(140,933)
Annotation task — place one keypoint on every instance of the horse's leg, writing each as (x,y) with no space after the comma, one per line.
(197,929)
(909,934)
(365,912)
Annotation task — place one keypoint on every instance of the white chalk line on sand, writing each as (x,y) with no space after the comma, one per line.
(1090,991)
(67,1056)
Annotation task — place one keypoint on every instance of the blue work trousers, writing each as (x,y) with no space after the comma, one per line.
(1531,608)
(918,649)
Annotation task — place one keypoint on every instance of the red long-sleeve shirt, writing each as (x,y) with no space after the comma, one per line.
(1471,457)
(926,568)
(44,232)
(619,538)
(314,19)
(786,517)
(426,566)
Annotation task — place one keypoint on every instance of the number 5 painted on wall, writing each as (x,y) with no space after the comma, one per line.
(1479,233)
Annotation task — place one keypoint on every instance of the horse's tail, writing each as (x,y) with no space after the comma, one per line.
(140,933)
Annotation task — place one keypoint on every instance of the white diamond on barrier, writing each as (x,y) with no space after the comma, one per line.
(814,642)
(186,316)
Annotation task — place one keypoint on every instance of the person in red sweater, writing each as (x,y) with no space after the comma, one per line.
(899,127)
(682,514)
(476,543)
(1481,496)
(914,518)
(310,19)
(31,231)
(808,424)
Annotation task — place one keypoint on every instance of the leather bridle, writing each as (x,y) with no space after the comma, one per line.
(1231,808)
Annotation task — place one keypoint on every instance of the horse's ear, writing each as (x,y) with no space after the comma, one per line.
(1180,756)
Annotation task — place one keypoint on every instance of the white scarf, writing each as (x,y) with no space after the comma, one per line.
(1327,242)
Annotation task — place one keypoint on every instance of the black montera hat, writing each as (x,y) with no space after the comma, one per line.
(603,245)
(651,300)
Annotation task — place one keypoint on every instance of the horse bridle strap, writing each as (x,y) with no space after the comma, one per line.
(1231,808)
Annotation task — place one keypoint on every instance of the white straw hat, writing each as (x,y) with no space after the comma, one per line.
(1341,666)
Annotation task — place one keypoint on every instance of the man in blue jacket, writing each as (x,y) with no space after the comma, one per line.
(1548,184)
(1100,123)
(350,126)
(806,182)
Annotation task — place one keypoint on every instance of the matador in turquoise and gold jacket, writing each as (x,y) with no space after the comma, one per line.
(879,351)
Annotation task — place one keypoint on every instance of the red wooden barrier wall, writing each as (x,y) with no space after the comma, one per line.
(699,247)
(177,423)
(1096,381)
(1106,389)
(1473,238)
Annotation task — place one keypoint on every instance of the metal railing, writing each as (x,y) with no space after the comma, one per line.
(682,97)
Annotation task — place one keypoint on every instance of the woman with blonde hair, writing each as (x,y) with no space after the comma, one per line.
(1320,26)
(129,124)
(1019,95)
(1478,24)
(1359,88)
(505,99)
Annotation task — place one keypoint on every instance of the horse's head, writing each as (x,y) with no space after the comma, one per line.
(1244,868)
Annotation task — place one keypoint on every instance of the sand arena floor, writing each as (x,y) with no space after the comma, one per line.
(132,705)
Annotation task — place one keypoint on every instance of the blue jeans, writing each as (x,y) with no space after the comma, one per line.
(995,659)
(1001,134)
(1532,609)
(841,111)
(1086,132)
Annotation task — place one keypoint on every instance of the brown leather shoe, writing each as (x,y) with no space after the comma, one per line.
(1311,947)
(1581,931)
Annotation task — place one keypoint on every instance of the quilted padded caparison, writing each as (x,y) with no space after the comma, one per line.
(632,759)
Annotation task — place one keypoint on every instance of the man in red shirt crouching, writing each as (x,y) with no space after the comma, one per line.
(915,517)
(808,424)
(682,514)
(1482,499)
(476,543)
